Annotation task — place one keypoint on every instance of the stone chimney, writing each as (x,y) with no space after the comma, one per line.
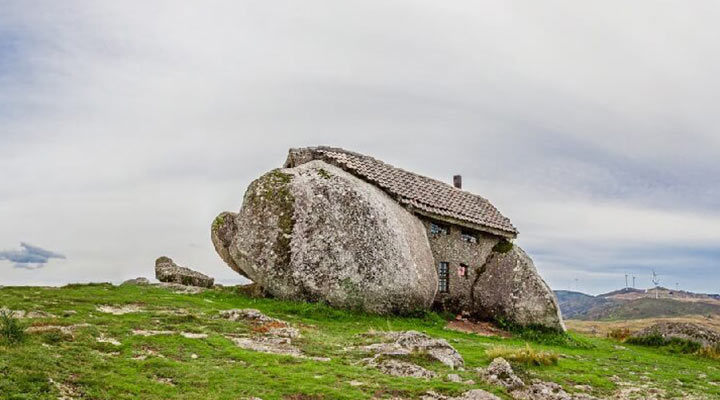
(457,181)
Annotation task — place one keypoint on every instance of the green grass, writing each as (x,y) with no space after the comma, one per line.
(89,369)
(11,330)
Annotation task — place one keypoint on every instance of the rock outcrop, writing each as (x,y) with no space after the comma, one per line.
(167,271)
(315,232)
(682,330)
(405,343)
(510,289)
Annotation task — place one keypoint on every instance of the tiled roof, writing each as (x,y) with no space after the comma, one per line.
(421,193)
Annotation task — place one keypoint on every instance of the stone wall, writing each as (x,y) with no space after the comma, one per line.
(453,249)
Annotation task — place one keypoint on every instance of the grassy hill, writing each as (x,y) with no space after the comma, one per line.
(96,342)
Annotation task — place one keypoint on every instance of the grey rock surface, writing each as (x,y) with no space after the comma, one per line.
(167,271)
(403,368)
(137,281)
(315,232)
(500,373)
(682,330)
(475,394)
(439,349)
(511,289)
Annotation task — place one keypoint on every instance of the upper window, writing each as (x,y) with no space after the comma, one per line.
(443,277)
(468,236)
(438,229)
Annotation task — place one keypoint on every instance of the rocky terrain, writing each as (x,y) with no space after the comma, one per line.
(159,341)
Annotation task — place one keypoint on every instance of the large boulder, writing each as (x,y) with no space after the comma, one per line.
(511,290)
(167,271)
(317,233)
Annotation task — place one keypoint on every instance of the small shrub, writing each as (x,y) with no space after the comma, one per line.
(55,336)
(324,174)
(525,355)
(503,246)
(11,331)
(675,345)
(620,334)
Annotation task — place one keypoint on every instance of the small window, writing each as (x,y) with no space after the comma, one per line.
(443,277)
(463,271)
(469,237)
(438,229)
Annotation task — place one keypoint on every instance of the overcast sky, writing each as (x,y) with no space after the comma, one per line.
(127,126)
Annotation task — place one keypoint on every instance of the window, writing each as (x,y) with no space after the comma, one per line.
(438,229)
(468,236)
(444,277)
(463,271)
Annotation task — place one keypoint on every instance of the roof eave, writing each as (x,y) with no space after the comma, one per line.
(466,224)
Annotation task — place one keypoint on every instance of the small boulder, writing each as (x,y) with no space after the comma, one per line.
(141,281)
(500,373)
(511,289)
(167,271)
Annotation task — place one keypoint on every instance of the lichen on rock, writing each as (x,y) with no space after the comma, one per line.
(302,236)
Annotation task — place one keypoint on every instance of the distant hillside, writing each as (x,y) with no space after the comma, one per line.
(634,304)
(576,305)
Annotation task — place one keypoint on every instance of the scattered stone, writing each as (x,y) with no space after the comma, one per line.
(140,281)
(147,352)
(272,345)
(475,394)
(194,356)
(164,380)
(114,310)
(402,368)
(407,342)
(103,339)
(454,378)
(142,332)
(67,330)
(181,289)
(68,313)
(191,335)
(247,314)
(500,373)
(39,314)
(682,330)
(355,383)
(271,335)
(167,271)
(67,391)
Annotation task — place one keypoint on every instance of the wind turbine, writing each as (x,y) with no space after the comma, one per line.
(656,282)
(626,281)
(633,281)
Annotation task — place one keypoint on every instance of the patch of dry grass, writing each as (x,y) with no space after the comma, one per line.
(603,328)
(525,355)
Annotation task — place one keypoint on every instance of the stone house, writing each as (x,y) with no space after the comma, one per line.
(463,228)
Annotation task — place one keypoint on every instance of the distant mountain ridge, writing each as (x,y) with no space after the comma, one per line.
(630,303)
